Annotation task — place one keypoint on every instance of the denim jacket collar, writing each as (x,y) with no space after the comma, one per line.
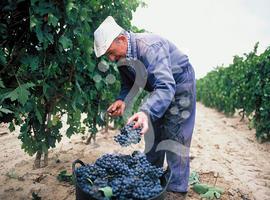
(132,46)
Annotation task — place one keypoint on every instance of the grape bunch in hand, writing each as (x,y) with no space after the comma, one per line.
(128,135)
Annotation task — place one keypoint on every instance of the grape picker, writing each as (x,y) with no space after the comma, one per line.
(170,108)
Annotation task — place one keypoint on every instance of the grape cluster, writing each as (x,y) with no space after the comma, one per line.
(129,176)
(128,135)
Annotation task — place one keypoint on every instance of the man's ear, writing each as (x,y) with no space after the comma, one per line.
(122,38)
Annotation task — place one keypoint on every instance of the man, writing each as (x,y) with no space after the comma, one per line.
(170,109)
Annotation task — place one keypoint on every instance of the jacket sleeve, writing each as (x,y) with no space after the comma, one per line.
(126,86)
(158,63)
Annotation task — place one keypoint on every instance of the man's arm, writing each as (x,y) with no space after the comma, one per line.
(158,60)
(126,85)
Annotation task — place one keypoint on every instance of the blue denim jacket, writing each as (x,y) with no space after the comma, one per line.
(164,64)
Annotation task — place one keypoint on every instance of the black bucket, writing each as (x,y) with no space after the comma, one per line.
(81,195)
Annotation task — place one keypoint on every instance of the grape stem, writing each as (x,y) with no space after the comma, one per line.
(90,181)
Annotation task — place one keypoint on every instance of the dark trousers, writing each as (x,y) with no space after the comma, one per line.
(171,135)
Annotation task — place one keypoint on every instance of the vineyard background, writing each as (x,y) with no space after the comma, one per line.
(244,87)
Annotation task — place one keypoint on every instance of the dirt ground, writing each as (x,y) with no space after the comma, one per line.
(224,152)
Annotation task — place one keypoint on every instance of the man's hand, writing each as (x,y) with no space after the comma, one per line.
(117,108)
(141,120)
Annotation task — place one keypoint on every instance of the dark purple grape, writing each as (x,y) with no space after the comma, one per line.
(129,176)
(128,135)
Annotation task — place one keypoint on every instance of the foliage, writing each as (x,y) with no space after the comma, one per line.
(63,176)
(48,67)
(205,191)
(244,85)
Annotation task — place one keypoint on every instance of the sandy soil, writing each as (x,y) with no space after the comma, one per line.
(224,152)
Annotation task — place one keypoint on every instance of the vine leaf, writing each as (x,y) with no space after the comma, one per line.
(107,191)
(201,188)
(21,93)
(3,60)
(194,178)
(31,61)
(66,42)
(5,110)
(52,20)
(211,194)
(1,84)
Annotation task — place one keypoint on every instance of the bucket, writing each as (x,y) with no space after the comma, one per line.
(81,195)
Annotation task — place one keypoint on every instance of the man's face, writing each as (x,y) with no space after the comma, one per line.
(118,49)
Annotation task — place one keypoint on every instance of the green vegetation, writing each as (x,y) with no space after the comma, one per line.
(242,86)
(48,68)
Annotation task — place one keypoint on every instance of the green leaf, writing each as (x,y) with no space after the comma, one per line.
(70,131)
(32,61)
(33,21)
(49,37)
(201,188)
(217,189)
(70,6)
(38,115)
(194,178)
(63,176)
(5,110)
(107,191)
(99,85)
(3,60)
(11,126)
(208,192)
(79,87)
(211,195)
(217,195)
(2,84)
(55,120)
(21,93)
(13,95)
(46,88)
(52,20)
(39,34)
(65,42)
(33,2)
(83,14)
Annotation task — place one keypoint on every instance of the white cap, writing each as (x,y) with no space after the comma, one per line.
(107,31)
